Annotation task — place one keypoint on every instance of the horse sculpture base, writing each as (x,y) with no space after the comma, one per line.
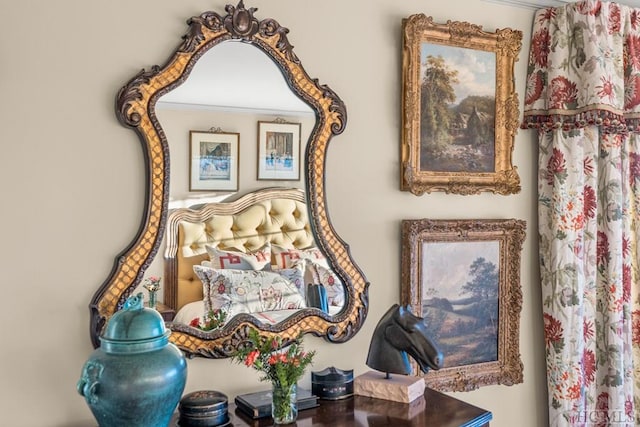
(398,388)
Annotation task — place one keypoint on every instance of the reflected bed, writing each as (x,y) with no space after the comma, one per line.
(255,255)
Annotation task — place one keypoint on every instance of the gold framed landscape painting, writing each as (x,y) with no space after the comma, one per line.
(463,278)
(460,109)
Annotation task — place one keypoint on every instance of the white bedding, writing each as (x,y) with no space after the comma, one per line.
(196,309)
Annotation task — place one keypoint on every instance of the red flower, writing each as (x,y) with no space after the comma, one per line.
(589,196)
(634,166)
(540,48)
(635,19)
(251,357)
(552,330)
(631,52)
(602,249)
(573,392)
(603,402)
(632,91)
(556,165)
(583,7)
(628,408)
(278,358)
(221,288)
(534,88)
(606,89)
(626,283)
(587,330)
(195,322)
(614,19)
(626,246)
(587,164)
(547,14)
(635,327)
(563,92)
(589,366)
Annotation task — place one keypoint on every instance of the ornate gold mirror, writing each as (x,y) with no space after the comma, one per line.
(136,106)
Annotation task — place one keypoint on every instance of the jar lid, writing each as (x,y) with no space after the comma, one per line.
(134,329)
(203,408)
(332,375)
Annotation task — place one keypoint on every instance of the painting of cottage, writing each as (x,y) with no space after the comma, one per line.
(457,109)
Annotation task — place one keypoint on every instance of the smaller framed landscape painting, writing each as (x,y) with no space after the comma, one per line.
(463,278)
(459,108)
(279,151)
(214,159)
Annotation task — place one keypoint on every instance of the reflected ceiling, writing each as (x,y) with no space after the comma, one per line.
(225,79)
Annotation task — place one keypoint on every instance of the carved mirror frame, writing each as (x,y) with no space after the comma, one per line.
(135,105)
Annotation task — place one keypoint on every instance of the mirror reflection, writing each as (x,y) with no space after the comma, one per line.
(283,222)
(250,251)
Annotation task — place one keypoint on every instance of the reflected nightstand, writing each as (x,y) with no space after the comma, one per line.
(167,313)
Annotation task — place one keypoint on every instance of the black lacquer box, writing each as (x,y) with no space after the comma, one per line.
(204,408)
(332,383)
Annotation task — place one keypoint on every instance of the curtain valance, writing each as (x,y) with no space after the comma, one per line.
(584,68)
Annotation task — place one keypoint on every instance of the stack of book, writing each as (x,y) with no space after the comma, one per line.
(258,404)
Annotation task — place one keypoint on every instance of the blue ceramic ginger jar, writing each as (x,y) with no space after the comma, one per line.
(136,377)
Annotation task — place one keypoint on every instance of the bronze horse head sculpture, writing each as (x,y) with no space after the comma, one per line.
(400,334)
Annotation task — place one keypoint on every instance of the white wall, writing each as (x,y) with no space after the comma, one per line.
(71,179)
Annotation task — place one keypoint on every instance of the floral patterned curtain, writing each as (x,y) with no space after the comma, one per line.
(583,96)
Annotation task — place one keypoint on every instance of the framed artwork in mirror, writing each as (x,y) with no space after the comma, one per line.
(279,151)
(213,161)
(460,108)
(463,278)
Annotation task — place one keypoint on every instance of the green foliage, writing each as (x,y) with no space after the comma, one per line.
(212,320)
(484,284)
(436,93)
(282,366)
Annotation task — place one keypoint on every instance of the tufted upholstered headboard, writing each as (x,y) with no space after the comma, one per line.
(276,215)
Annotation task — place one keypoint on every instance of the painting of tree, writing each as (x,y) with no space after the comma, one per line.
(460,299)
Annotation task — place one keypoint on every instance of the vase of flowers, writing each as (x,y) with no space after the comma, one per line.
(152,285)
(281,364)
(214,319)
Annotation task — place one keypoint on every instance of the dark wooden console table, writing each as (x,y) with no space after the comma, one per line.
(435,409)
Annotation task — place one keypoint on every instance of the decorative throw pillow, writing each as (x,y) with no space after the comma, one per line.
(315,273)
(247,291)
(332,284)
(286,258)
(236,260)
(295,275)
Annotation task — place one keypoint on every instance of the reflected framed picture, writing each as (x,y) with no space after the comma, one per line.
(463,278)
(214,159)
(460,109)
(279,151)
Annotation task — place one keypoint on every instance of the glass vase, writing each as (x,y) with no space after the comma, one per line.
(284,404)
(152,299)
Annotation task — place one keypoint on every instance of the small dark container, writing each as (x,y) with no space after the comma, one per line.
(204,408)
(332,383)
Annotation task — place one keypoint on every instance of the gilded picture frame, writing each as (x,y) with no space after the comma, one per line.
(459,108)
(214,158)
(463,278)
